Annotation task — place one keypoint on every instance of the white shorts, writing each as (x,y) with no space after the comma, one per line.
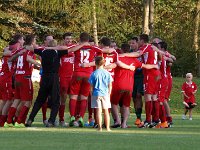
(102,102)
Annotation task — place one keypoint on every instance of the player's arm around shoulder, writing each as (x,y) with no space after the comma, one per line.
(32,61)
(125,66)
(150,66)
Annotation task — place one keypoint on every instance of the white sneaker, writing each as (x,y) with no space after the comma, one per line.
(45,122)
(183,117)
(63,124)
(190,118)
(56,123)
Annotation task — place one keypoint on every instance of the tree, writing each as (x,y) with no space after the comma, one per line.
(146,17)
(196,37)
(94,22)
(151,17)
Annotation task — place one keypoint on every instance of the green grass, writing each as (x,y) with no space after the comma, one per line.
(176,97)
(184,135)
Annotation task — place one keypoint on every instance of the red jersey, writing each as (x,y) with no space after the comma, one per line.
(110,58)
(23,66)
(189,88)
(7,69)
(85,54)
(67,64)
(124,78)
(149,57)
(163,68)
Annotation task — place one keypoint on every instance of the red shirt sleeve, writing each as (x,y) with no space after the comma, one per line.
(183,87)
(138,64)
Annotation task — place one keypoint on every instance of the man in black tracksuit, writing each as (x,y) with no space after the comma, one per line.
(49,83)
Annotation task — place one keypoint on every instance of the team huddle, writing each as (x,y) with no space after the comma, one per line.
(98,78)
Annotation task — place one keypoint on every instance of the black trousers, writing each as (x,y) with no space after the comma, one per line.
(49,87)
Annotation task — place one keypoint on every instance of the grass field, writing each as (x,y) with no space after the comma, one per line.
(183,135)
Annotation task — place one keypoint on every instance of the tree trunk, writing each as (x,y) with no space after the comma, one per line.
(94,23)
(151,17)
(146,17)
(196,38)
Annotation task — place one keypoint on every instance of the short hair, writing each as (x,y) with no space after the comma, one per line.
(144,37)
(46,35)
(84,37)
(91,39)
(15,38)
(67,34)
(52,43)
(189,74)
(125,47)
(163,45)
(99,61)
(29,39)
(135,38)
(105,41)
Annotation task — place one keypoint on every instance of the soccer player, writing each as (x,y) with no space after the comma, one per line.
(121,90)
(50,80)
(151,78)
(23,83)
(138,89)
(6,75)
(79,85)
(163,46)
(65,75)
(163,88)
(101,86)
(189,88)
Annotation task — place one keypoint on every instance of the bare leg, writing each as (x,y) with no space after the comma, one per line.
(99,119)
(190,113)
(107,119)
(125,116)
(6,107)
(115,113)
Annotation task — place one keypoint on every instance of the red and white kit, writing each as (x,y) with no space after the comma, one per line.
(124,80)
(24,86)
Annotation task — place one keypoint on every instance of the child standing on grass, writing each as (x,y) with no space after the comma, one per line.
(189,88)
(101,86)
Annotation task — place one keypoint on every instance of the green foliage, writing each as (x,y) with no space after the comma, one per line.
(119,19)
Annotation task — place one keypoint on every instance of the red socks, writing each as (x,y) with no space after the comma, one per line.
(23,113)
(61,112)
(156,107)
(148,109)
(162,113)
(83,107)
(2,120)
(169,119)
(11,114)
(72,107)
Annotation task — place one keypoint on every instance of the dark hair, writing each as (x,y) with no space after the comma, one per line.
(15,38)
(105,41)
(135,38)
(163,45)
(125,47)
(99,61)
(67,34)
(144,37)
(91,39)
(29,39)
(45,36)
(84,37)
